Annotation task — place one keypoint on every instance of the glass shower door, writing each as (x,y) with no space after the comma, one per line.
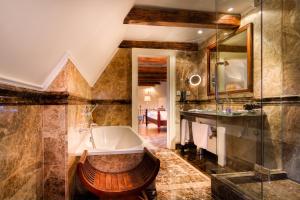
(236,81)
(280,95)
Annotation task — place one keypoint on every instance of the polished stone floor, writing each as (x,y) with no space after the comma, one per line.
(273,190)
(207,163)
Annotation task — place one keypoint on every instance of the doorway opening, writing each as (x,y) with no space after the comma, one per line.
(152,99)
(170,56)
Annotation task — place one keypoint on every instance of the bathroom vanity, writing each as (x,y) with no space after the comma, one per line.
(240,145)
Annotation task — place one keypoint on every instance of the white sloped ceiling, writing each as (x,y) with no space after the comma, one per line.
(36,37)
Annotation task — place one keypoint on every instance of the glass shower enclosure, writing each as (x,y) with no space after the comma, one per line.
(253,75)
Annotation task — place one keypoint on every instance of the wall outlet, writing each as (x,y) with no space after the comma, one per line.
(188,93)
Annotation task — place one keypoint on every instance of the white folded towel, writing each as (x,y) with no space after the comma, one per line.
(185,132)
(221,146)
(201,132)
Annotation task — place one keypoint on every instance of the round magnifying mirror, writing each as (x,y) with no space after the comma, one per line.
(195,80)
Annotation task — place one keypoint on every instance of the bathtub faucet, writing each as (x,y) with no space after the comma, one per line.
(84,130)
(92,141)
(92,125)
(91,134)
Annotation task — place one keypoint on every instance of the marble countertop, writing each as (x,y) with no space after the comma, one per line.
(220,114)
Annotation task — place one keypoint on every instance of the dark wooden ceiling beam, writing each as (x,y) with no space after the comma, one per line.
(151,79)
(153,60)
(148,84)
(152,69)
(150,75)
(150,65)
(184,46)
(157,16)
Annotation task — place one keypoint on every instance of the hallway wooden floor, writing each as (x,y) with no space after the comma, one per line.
(153,136)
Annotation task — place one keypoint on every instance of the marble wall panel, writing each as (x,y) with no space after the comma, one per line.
(114,84)
(77,85)
(291,47)
(55,152)
(281,29)
(21,158)
(291,140)
(116,163)
(70,80)
(187,64)
(112,115)
(272,137)
(115,81)
(60,83)
(272,48)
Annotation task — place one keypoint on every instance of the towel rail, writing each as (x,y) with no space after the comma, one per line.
(209,121)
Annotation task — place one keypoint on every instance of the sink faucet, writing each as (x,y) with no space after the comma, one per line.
(228,107)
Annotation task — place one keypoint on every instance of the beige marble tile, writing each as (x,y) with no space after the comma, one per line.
(291,47)
(116,163)
(187,64)
(70,80)
(115,81)
(55,151)
(21,152)
(110,115)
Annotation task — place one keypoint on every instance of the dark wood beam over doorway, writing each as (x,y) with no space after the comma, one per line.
(156,16)
(184,46)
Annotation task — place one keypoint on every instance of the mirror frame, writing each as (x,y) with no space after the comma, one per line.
(249,29)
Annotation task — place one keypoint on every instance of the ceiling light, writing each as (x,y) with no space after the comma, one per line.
(230,9)
(200,32)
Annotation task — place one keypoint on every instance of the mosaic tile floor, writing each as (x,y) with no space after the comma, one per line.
(178,180)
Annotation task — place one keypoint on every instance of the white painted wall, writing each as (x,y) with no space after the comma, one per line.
(158,96)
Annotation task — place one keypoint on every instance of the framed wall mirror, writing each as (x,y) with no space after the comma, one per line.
(230,63)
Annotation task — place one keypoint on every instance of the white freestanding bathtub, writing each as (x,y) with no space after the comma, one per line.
(112,140)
